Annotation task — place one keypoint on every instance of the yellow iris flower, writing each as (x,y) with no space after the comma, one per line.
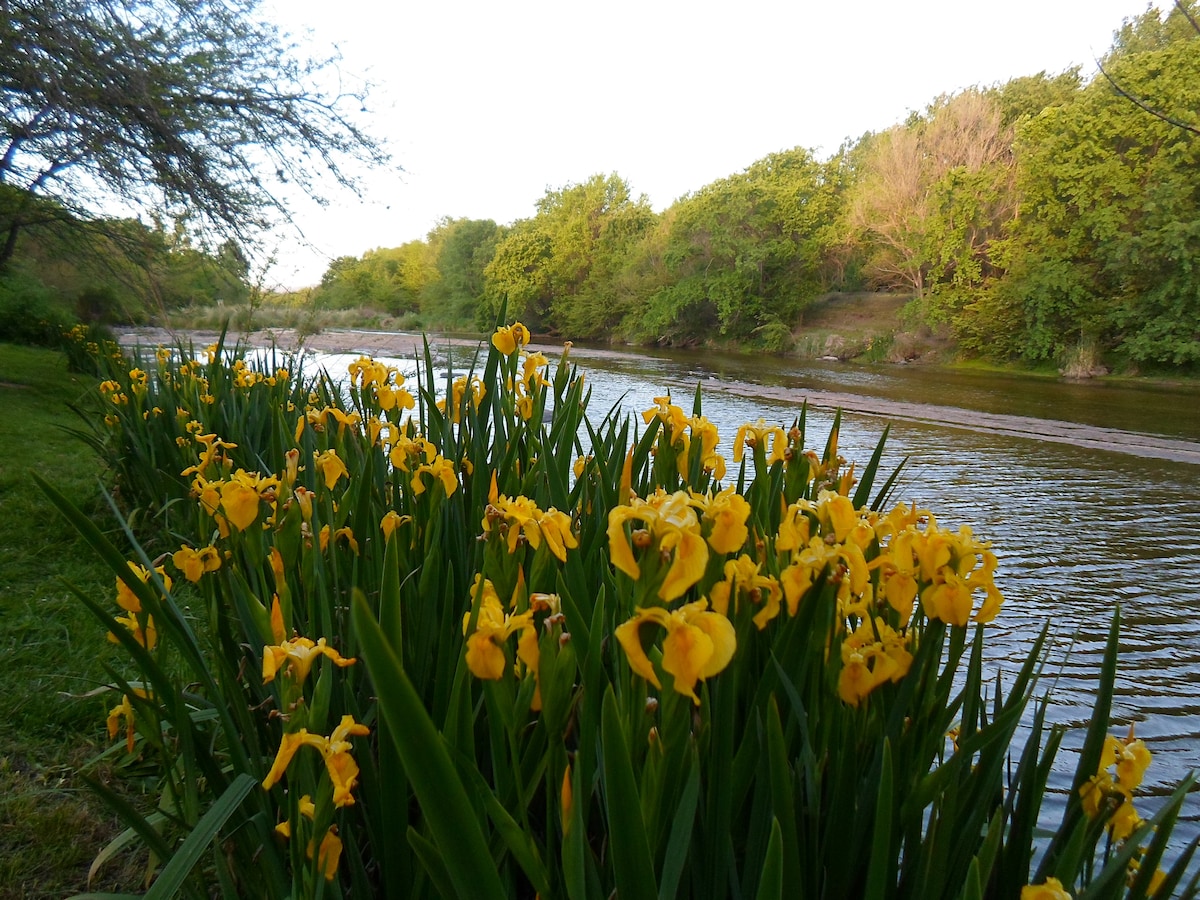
(391,521)
(335,750)
(394,397)
(239,501)
(213,447)
(757,435)
(533,369)
(945,568)
(331,466)
(728,512)
(673,418)
(124,710)
(1050,889)
(127,599)
(404,450)
(705,434)
(330,852)
(872,654)
(485,653)
(386,381)
(441,469)
(795,527)
(523,518)
(298,655)
(139,623)
(1130,758)
(510,338)
(195,563)
(673,527)
(141,626)
(698,645)
(743,574)
(458,390)
(365,371)
(806,566)
(344,534)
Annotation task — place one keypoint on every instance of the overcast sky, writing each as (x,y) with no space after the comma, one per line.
(486,104)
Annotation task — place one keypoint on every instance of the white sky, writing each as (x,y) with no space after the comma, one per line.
(488,104)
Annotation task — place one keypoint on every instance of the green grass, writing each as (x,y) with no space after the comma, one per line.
(51,650)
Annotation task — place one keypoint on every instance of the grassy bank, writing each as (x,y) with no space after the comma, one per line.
(51,651)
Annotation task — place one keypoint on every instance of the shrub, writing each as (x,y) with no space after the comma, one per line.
(31,313)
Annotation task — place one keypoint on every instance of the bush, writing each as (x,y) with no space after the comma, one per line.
(31,313)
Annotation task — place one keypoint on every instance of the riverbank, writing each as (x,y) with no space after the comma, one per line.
(404,345)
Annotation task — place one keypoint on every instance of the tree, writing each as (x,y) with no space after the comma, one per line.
(461,249)
(546,266)
(746,254)
(1150,31)
(932,193)
(1028,95)
(392,279)
(1105,247)
(193,105)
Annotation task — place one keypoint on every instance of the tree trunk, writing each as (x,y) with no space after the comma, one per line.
(10,243)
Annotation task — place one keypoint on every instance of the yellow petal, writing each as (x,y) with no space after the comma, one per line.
(619,550)
(240,503)
(329,854)
(729,524)
(631,642)
(686,652)
(343,772)
(691,558)
(626,488)
(277,629)
(287,749)
(484,658)
(723,635)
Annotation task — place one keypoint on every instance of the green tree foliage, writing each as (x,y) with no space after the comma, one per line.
(461,250)
(392,279)
(187,104)
(1104,251)
(1026,96)
(744,255)
(555,269)
(110,271)
(519,273)
(609,299)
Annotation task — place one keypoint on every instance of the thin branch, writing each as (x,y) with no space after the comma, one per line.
(1140,102)
(1187,15)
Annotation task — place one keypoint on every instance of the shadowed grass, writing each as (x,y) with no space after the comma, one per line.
(51,827)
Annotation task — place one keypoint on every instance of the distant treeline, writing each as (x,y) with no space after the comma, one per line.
(1046,220)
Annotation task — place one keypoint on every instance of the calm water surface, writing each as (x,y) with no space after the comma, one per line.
(1078,531)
